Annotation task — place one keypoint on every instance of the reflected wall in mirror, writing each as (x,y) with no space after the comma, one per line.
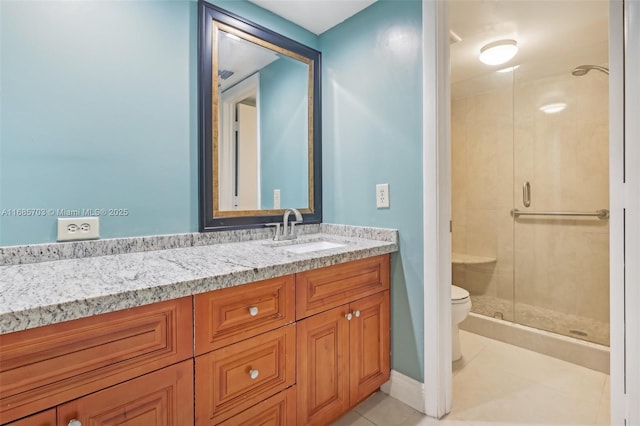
(260,124)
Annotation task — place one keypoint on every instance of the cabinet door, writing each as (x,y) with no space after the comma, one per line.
(323,363)
(164,397)
(46,418)
(369,355)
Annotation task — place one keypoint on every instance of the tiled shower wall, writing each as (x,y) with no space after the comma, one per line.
(500,139)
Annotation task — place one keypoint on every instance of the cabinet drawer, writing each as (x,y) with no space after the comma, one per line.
(46,418)
(237,377)
(161,398)
(279,410)
(45,366)
(321,289)
(236,313)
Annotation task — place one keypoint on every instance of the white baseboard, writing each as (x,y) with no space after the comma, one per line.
(405,389)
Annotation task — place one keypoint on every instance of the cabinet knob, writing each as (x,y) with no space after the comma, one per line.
(348,316)
(253,374)
(253,311)
(356,314)
(75,422)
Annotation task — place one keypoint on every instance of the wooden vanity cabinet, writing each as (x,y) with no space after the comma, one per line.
(44,367)
(343,351)
(245,342)
(300,350)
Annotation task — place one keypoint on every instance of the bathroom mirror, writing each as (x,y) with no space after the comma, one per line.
(260,147)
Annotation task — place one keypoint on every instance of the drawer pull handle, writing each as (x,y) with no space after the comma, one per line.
(348,316)
(75,422)
(356,314)
(253,311)
(253,374)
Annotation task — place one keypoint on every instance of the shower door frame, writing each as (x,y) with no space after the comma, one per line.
(624,17)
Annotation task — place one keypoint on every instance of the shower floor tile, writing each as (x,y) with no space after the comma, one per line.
(575,326)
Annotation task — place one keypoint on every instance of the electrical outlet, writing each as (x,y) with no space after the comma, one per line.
(382,195)
(78,228)
(276,198)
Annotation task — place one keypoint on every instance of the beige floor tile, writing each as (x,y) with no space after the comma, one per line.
(531,404)
(419,419)
(352,418)
(474,388)
(382,410)
(606,392)
(497,384)
(579,382)
(470,346)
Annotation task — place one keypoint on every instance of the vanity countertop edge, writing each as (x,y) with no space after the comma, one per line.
(49,292)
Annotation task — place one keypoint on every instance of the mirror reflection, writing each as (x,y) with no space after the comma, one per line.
(263,138)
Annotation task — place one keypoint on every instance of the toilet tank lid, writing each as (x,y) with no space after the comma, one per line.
(458,293)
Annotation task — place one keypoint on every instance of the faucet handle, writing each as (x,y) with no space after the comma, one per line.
(277,225)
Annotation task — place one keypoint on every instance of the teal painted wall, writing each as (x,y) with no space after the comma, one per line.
(99,110)
(372,133)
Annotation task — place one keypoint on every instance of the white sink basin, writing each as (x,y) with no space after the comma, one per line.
(312,246)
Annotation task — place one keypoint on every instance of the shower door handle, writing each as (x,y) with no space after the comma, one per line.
(526,194)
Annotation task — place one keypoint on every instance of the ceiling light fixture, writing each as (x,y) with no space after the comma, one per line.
(498,52)
(553,108)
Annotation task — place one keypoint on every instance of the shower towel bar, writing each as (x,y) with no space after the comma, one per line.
(601,214)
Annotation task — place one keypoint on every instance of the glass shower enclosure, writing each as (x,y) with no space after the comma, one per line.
(530,182)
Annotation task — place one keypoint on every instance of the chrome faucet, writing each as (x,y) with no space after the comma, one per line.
(286,234)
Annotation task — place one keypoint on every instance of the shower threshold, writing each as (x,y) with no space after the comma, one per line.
(570,349)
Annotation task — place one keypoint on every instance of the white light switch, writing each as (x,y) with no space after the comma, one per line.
(276,198)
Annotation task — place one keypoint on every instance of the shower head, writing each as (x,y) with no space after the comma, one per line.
(583,69)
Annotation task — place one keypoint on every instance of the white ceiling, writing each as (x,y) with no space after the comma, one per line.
(554,36)
(316,16)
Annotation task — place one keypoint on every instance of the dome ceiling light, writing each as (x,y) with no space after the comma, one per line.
(498,52)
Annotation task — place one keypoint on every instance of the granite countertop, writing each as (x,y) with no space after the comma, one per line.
(52,291)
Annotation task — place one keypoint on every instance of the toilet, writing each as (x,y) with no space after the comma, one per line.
(460,308)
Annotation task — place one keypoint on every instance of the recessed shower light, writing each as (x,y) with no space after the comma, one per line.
(498,52)
(553,108)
